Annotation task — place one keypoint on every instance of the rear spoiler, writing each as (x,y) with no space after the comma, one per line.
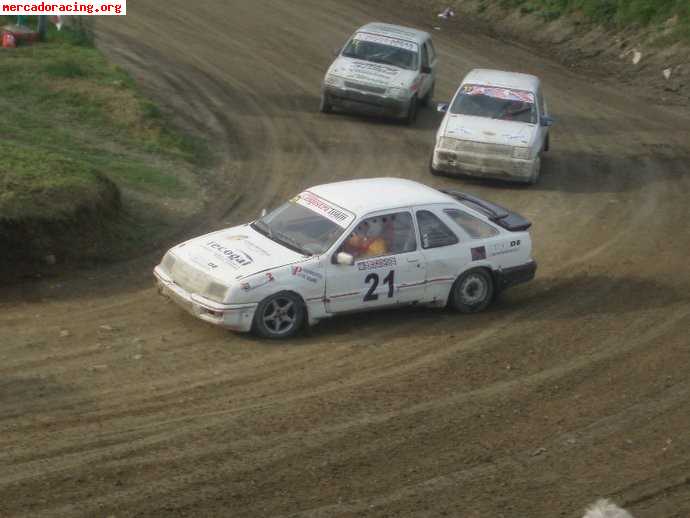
(503,217)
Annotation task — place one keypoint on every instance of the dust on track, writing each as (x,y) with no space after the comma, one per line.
(570,388)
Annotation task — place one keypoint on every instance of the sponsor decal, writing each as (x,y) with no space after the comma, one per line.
(505,248)
(379,74)
(385,40)
(256,248)
(258,282)
(507,94)
(330,211)
(235,258)
(306,274)
(375,264)
(479,253)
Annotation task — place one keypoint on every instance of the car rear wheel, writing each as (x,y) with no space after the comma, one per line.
(279,316)
(547,143)
(472,291)
(411,116)
(325,106)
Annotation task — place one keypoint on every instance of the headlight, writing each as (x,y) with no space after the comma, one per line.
(398,93)
(216,291)
(335,81)
(168,262)
(521,153)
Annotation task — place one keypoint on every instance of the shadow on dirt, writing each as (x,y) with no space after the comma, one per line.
(582,173)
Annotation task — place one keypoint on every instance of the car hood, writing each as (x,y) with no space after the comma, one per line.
(369,73)
(490,131)
(235,253)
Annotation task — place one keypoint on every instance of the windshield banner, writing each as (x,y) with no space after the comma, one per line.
(385,40)
(332,212)
(507,94)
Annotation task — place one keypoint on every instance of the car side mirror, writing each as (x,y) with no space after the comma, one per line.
(426,69)
(547,121)
(442,107)
(344,259)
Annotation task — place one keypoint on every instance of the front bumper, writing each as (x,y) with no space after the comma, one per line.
(359,101)
(237,317)
(508,277)
(484,165)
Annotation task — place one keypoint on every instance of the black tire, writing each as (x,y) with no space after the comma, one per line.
(411,116)
(279,316)
(325,106)
(473,291)
(547,143)
(433,171)
(429,97)
(532,180)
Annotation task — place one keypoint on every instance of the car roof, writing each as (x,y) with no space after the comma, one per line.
(395,31)
(500,78)
(370,195)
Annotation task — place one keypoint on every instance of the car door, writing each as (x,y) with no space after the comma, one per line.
(444,253)
(388,267)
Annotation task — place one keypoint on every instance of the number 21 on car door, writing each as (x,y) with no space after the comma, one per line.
(388,268)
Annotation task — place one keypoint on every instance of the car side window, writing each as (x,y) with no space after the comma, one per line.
(474,227)
(425,56)
(433,231)
(377,236)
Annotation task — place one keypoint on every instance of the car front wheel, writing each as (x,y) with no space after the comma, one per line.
(325,105)
(472,291)
(411,116)
(279,316)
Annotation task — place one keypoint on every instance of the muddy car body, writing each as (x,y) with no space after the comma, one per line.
(384,70)
(350,246)
(496,126)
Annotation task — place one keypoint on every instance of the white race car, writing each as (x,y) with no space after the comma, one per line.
(496,126)
(384,70)
(350,246)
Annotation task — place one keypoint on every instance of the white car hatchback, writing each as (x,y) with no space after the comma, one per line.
(496,126)
(383,69)
(350,246)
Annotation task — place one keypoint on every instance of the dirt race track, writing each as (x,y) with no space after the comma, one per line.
(114,403)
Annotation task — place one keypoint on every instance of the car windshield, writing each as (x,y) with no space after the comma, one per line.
(309,231)
(495,103)
(384,50)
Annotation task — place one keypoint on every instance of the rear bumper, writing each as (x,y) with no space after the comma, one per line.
(508,277)
(372,104)
(484,166)
(237,317)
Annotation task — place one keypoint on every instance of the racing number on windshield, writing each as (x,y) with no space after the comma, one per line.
(373,279)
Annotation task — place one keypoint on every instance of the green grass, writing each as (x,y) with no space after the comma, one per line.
(618,13)
(62,102)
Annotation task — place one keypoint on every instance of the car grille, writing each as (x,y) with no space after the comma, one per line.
(480,148)
(188,278)
(365,88)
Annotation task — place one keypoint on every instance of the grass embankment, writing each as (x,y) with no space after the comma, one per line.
(88,169)
(619,13)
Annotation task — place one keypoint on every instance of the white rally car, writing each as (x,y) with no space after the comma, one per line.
(350,246)
(496,126)
(383,69)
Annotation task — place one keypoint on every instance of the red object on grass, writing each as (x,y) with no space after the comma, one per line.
(8,40)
